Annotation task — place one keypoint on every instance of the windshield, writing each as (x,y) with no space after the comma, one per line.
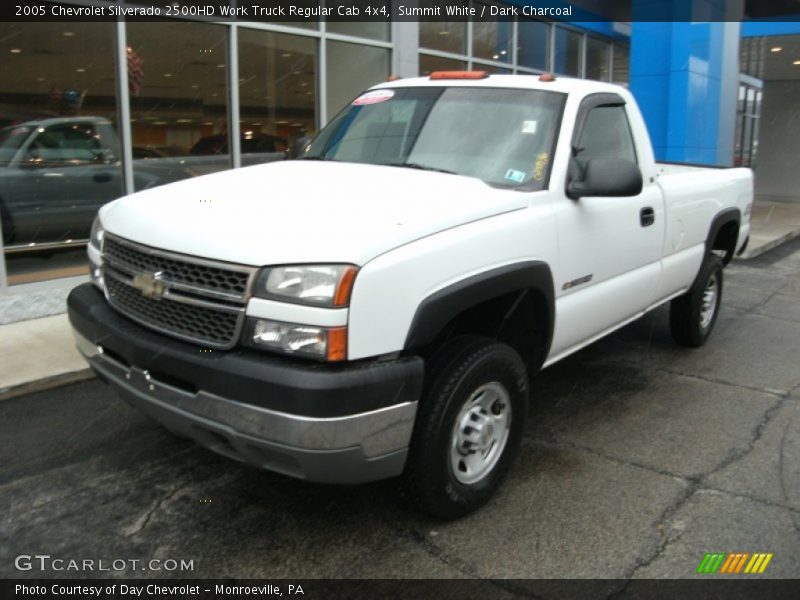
(503,136)
(11,139)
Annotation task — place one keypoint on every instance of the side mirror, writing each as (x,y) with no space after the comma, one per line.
(607,177)
(298,148)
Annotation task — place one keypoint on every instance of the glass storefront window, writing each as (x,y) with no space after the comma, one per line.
(598,53)
(345,82)
(756,125)
(621,70)
(59,148)
(428,64)
(376,30)
(277,92)
(532,47)
(178,94)
(567,55)
(748,119)
(491,40)
(492,69)
(444,37)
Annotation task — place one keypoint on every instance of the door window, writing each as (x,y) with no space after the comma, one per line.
(69,144)
(606,134)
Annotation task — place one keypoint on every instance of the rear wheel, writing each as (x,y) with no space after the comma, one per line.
(468,427)
(693,315)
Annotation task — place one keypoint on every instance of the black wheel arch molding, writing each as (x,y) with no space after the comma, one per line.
(720,220)
(436,312)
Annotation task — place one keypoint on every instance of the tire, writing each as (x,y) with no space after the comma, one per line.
(693,315)
(451,471)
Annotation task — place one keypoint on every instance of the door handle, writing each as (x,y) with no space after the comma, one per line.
(647,216)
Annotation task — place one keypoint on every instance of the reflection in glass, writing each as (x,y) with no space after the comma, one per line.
(493,134)
(491,40)
(429,64)
(376,30)
(621,66)
(597,59)
(533,44)
(445,37)
(567,55)
(177,76)
(346,82)
(491,69)
(59,149)
(277,92)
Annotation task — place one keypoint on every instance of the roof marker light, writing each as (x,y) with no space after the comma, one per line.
(459,75)
(547,77)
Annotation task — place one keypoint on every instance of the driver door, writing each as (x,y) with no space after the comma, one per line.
(609,247)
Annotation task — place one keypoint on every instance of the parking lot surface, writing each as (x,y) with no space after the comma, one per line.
(639,457)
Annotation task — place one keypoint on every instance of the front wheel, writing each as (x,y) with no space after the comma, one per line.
(468,427)
(693,315)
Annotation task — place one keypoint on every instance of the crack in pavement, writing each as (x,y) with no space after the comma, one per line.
(553,443)
(455,562)
(693,485)
(772,392)
(781,477)
(736,455)
(702,485)
(143,521)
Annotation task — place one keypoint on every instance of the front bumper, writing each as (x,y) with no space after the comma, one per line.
(334,424)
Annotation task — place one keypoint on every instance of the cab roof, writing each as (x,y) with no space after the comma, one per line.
(564,85)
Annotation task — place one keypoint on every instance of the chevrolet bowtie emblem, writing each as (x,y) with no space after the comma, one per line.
(150,285)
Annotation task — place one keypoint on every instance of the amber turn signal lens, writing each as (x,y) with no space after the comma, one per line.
(337,344)
(342,295)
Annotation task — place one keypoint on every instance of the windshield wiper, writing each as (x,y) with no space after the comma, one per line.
(316,158)
(418,166)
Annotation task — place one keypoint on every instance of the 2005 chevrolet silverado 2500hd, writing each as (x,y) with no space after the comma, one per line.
(374,308)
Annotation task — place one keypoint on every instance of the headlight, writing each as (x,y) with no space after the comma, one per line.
(302,340)
(317,285)
(96,236)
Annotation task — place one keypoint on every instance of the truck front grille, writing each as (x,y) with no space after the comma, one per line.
(228,282)
(202,308)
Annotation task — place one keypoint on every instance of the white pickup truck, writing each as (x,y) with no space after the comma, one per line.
(376,307)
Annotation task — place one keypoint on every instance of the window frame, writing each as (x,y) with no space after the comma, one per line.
(588,104)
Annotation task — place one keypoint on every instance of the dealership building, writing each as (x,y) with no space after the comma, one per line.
(90,111)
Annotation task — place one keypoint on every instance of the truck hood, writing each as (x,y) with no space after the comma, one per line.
(303,211)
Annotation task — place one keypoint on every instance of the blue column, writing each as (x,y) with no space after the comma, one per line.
(684,75)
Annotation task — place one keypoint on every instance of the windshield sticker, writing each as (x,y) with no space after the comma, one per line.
(373,97)
(529,126)
(541,166)
(515,176)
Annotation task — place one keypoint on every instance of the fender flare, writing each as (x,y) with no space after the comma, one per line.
(729,215)
(437,310)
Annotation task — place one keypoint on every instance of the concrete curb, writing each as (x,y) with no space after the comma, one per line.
(770,245)
(45,383)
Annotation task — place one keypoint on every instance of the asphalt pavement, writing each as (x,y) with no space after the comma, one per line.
(639,457)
